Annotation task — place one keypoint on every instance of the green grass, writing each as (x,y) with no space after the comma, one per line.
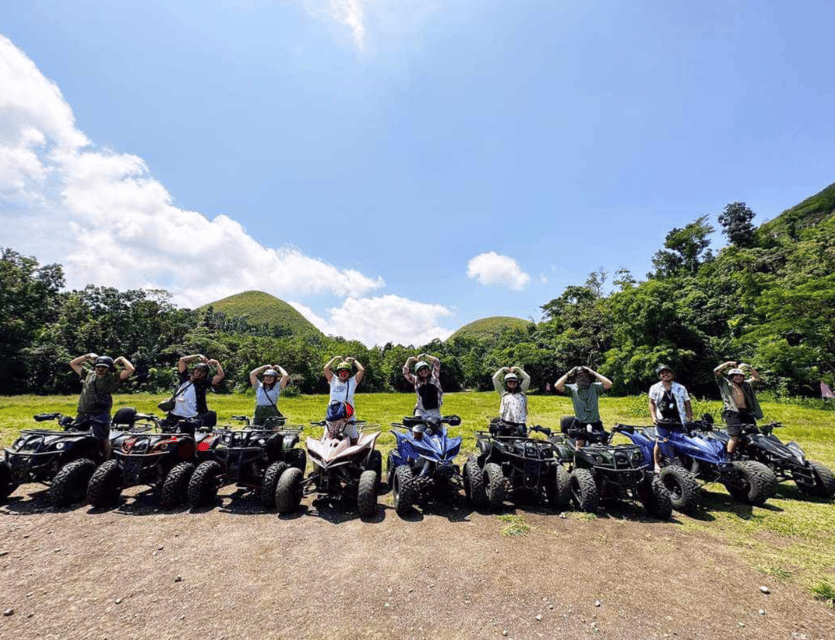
(824,591)
(514,526)
(790,539)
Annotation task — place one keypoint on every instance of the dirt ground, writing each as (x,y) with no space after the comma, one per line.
(234,571)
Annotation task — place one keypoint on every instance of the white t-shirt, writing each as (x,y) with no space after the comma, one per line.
(343,391)
(186,403)
(267,398)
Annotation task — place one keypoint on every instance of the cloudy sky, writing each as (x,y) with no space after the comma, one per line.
(398,168)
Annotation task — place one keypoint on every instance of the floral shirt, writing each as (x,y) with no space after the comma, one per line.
(680,395)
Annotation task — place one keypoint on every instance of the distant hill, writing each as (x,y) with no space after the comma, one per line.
(262,308)
(808,213)
(489,328)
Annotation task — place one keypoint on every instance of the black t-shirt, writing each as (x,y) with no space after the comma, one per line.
(428,395)
(667,407)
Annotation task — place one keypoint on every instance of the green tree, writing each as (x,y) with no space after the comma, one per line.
(685,250)
(736,224)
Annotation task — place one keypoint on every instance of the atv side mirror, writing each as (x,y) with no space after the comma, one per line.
(452,421)
(708,418)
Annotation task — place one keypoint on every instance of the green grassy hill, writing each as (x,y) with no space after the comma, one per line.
(262,308)
(489,328)
(808,213)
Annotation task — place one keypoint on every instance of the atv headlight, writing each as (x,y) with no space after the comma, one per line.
(60,445)
(637,457)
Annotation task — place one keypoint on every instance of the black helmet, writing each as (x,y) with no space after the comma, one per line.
(202,366)
(662,367)
(104,361)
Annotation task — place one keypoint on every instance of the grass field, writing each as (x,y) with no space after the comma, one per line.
(791,538)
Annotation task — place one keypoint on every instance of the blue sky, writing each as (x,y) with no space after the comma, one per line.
(396,169)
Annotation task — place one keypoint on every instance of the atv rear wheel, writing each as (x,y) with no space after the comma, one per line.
(105,487)
(584,490)
(175,487)
(755,482)
(69,485)
(558,488)
(296,458)
(288,492)
(656,498)
(204,483)
(682,486)
(403,489)
(6,484)
(494,485)
(474,483)
(367,493)
(269,484)
(824,486)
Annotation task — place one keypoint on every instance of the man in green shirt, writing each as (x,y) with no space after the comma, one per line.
(96,397)
(584,396)
(740,404)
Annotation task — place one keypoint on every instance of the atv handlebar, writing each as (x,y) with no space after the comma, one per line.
(543,430)
(42,417)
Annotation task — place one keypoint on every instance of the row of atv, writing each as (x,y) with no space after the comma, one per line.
(183,463)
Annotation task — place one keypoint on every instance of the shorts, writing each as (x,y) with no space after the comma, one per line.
(99,423)
(735,420)
(664,432)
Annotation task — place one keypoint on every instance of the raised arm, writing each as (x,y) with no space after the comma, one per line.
(127,367)
(497,380)
(220,375)
(253,375)
(525,383)
(360,369)
(559,385)
(77,364)
(328,372)
(718,370)
(285,377)
(182,363)
(607,384)
(407,369)
(755,377)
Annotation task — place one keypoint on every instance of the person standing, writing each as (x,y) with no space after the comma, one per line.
(669,402)
(740,404)
(96,399)
(585,396)
(427,383)
(343,387)
(190,397)
(514,403)
(267,391)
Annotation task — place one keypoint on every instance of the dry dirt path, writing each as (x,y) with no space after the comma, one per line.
(236,572)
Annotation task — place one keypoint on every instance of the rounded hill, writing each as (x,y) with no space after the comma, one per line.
(490,328)
(259,308)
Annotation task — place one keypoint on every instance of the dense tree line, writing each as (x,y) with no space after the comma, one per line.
(767,298)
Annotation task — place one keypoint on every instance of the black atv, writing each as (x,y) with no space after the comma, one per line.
(601,470)
(64,460)
(156,453)
(786,459)
(508,458)
(253,458)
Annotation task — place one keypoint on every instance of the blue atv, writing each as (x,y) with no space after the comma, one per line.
(422,461)
(787,460)
(692,455)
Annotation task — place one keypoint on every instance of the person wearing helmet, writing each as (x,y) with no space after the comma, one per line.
(511,383)
(669,402)
(96,399)
(267,391)
(190,397)
(740,404)
(427,383)
(585,396)
(343,386)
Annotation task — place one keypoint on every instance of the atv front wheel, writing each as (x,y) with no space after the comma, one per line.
(494,481)
(175,487)
(204,483)
(824,486)
(367,493)
(656,499)
(6,484)
(755,483)
(403,489)
(474,481)
(69,485)
(296,458)
(682,486)
(288,493)
(105,487)
(375,463)
(269,484)
(558,488)
(584,490)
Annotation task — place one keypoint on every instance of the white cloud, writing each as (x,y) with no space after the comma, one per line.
(382,319)
(108,221)
(349,13)
(493,268)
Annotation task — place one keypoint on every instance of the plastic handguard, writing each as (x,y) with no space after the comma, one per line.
(42,417)
(452,420)
(411,421)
